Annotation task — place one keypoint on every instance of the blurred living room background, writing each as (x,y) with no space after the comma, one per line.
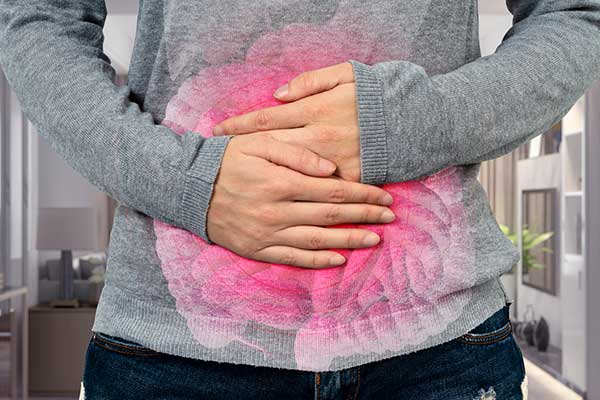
(55,228)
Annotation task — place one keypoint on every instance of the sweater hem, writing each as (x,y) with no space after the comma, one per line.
(164,330)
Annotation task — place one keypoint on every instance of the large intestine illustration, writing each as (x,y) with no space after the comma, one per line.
(384,297)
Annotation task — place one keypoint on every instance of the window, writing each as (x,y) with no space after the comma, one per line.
(539,241)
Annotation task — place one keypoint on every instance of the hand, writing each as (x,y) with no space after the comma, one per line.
(321,116)
(271,200)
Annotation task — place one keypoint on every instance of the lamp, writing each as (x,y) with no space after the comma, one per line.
(67,229)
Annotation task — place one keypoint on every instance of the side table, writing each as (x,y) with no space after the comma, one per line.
(18,341)
(58,341)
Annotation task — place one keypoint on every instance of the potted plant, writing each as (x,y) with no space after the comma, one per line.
(530,240)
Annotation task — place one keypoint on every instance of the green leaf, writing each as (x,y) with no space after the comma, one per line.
(541,238)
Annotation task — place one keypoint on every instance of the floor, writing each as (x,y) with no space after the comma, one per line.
(541,385)
(551,358)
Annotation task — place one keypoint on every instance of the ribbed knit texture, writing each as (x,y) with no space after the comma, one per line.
(198,187)
(371,120)
(430,109)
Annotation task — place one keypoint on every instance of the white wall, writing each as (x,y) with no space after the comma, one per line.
(492,28)
(119,32)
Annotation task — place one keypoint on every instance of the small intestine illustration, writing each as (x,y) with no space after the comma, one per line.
(384,297)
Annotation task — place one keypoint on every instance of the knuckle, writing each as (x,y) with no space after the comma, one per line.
(262,119)
(294,188)
(280,186)
(263,145)
(315,241)
(353,239)
(349,239)
(315,110)
(366,214)
(287,258)
(333,214)
(306,80)
(314,260)
(365,194)
(328,135)
(260,236)
(269,215)
(305,157)
(338,193)
(265,187)
(231,125)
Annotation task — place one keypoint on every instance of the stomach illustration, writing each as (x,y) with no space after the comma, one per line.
(384,297)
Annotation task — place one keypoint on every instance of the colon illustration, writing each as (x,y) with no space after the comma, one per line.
(384,297)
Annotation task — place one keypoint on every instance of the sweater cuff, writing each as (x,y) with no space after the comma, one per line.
(199,185)
(371,122)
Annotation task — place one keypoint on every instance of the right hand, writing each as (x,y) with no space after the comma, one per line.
(271,202)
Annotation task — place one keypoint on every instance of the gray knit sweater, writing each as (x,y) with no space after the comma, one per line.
(430,110)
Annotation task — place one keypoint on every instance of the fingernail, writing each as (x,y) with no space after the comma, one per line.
(371,239)
(326,165)
(386,200)
(282,91)
(217,130)
(387,216)
(338,259)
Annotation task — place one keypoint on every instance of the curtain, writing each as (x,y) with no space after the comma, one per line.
(499,179)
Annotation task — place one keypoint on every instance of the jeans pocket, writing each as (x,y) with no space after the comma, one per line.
(121,346)
(493,330)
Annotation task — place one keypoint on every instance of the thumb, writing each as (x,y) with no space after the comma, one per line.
(315,81)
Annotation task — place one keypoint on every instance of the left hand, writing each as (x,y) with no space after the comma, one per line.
(320,114)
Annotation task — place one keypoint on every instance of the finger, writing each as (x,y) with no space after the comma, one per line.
(334,190)
(277,117)
(296,157)
(325,214)
(316,81)
(299,257)
(311,237)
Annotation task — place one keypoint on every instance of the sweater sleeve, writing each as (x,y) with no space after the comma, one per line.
(51,53)
(413,125)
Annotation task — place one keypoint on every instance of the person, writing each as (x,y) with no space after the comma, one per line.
(299,213)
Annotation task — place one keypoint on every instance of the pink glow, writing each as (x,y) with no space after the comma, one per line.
(385,297)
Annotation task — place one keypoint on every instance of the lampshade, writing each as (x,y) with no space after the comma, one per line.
(67,228)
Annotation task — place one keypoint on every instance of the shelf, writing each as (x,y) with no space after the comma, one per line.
(577,193)
(572,257)
(572,134)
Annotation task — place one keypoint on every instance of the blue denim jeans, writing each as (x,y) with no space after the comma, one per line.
(485,363)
